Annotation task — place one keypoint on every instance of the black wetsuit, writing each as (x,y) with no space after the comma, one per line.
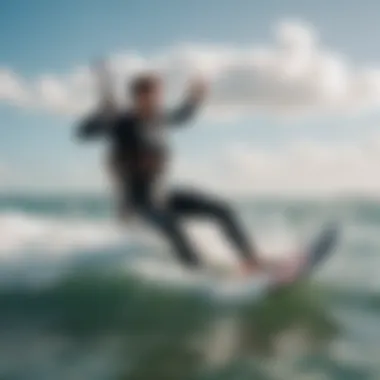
(138,157)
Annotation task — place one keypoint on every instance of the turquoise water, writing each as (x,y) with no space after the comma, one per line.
(81,298)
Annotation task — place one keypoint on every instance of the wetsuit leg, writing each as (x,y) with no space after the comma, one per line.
(190,203)
(138,195)
(166,221)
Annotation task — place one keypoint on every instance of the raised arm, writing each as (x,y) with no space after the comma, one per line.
(94,126)
(190,105)
(98,123)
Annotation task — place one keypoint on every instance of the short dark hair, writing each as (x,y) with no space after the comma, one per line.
(143,83)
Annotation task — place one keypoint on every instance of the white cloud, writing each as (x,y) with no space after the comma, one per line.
(295,73)
(12,90)
(3,170)
(301,167)
(4,175)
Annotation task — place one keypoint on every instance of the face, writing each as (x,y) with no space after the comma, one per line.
(151,100)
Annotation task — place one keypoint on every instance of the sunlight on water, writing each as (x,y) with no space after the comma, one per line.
(80,297)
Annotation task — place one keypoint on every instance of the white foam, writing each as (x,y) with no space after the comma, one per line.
(40,248)
(19,232)
(43,247)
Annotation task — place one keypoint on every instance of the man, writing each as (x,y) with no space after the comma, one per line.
(138,161)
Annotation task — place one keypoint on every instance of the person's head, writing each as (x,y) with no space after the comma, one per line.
(146,92)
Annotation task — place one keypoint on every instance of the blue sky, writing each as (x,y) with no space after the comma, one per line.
(36,149)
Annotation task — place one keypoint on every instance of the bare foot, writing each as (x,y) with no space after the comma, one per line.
(286,272)
(249,268)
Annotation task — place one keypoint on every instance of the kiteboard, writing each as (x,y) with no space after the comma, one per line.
(312,256)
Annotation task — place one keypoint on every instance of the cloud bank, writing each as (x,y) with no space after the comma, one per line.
(295,73)
(299,168)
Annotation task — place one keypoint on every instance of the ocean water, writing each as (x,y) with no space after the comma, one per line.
(84,298)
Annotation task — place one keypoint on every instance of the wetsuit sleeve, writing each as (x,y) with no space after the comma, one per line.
(184,112)
(94,126)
